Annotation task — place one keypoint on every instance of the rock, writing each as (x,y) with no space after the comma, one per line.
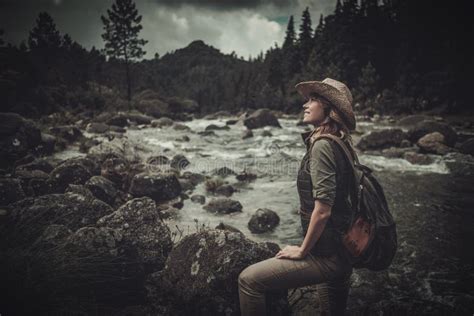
(394,152)
(197,198)
(116,129)
(417,159)
(263,220)
(266,133)
(246,176)
(229,228)
(186,185)
(158,186)
(26,177)
(18,136)
(87,143)
(81,190)
(225,189)
(162,122)
(467,147)
(261,118)
(213,127)
(179,162)
(43,164)
(207,133)
(411,120)
(97,128)
(381,139)
(181,127)
(30,216)
(405,143)
(433,143)
(116,170)
(53,236)
(153,107)
(47,144)
(200,276)
(10,191)
(231,122)
(426,127)
(195,178)
(102,188)
(247,134)
(223,172)
(124,119)
(158,160)
(223,206)
(140,224)
(68,132)
(71,171)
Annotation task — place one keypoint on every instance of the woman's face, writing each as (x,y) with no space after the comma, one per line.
(313,112)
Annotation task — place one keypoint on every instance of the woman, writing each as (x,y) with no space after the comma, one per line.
(323,186)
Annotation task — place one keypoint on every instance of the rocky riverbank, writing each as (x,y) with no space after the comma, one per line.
(94,209)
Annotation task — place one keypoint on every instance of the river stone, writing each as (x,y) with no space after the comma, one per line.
(223,206)
(47,145)
(380,139)
(467,147)
(116,170)
(42,164)
(266,133)
(206,133)
(68,172)
(97,128)
(195,178)
(225,189)
(247,134)
(261,118)
(68,132)
(197,198)
(158,160)
(433,143)
(158,186)
(200,276)
(263,220)
(53,236)
(186,185)
(30,216)
(417,159)
(427,127)
(229,228)
(102,188)
(223,172)
(141,226)
(10,191)
(411,120)
(162,122)
(181,127)
(18,136)
(246,176)
(231,122)
(214,127)
(153,107)
(179,162)
(25,177)
(395,152)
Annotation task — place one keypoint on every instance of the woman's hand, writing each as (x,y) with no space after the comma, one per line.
(290,252)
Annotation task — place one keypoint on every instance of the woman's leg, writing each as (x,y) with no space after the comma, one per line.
(333,295)
(276,274)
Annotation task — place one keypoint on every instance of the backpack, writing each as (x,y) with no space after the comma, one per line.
(371,239)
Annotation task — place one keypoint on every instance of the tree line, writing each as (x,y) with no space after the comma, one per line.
(397,56)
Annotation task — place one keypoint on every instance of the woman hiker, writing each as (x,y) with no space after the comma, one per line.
(323,184)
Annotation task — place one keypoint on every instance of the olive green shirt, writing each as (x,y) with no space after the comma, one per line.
(323,172)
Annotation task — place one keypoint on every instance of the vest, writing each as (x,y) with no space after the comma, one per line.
(329,242)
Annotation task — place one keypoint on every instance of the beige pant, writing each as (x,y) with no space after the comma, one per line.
(332,274)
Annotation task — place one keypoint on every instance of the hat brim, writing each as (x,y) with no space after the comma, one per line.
(337,98)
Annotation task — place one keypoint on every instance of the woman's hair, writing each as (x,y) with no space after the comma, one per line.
(329,125)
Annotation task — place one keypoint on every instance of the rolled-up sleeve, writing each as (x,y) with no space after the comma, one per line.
(323,172)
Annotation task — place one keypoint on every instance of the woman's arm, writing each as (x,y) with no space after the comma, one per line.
(319,218)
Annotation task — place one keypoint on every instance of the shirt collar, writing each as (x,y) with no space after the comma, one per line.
(307,137)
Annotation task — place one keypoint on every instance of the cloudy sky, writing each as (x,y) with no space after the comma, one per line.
(244,26)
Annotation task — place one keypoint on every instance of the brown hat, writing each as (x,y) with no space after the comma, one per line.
(335,92)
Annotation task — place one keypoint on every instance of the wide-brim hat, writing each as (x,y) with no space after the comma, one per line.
(335,92)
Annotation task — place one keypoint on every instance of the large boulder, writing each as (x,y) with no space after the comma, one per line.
(223,206)
(68,132)
(427,127)
(18,136)
(30,216)
(381,139)
(263,220)
(102,188)
(200,276)
(433,143)
(140,224)
(158,186)
(153,107)
(467,147)
(10,191)
(261,118)
(72,171)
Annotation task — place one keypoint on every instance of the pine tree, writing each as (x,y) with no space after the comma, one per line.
(290,34)
(121,36)
(290,58)
(44,35)
(368,82)
(305,37)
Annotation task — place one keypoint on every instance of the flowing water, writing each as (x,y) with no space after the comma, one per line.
(433,207)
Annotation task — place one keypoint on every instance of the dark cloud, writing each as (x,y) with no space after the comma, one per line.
(226,4)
